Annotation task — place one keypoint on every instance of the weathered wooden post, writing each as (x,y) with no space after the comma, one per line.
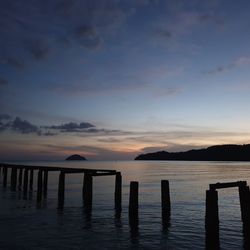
(20,178)
(244,195)
(212,220)
(165,202)
(133,204)
(118,193)
(45,182)
(31,179)
(39,185)
(88,190)
(61,187)
(25,181)
(5,175)
(13,178)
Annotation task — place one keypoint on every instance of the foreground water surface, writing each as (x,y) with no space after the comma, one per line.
(23,226)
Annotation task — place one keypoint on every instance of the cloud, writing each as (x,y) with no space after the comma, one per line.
(23,126)
(5,117)
(38,48)
(87,36)
(12,62)
(3,81)
(4,121)
(72,127)
(86,22)
(238,62)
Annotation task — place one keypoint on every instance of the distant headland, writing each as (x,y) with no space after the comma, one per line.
(214,153)
(75,158)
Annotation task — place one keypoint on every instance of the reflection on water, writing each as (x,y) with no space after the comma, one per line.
(76,227)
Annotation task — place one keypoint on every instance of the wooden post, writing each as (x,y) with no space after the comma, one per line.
(118,193)
(45,182)
(88,190)
(31,179)
(133,203)
(212,220)
(5,175)
(165,202)
(25,181)
(244,195)
(39,185)
(20,178)
(13,178)
(61,186)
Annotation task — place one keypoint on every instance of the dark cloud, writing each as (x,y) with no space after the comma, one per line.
(5,117)
(87,36)
(39,48)
(165,34)
(3,81)
(11,62)
(64,7)
(86,22)
(24,126)
(72,127)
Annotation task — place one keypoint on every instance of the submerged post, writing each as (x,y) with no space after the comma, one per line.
(39,185)
(31,179)
(118,193)
(61,186)
(20,178)
(133,203)
(25,181)
(45,182)
(165,202)
(212,220)
(88,190)
(5,175)
(13,178)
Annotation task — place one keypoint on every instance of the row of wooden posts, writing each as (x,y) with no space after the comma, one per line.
(22,179)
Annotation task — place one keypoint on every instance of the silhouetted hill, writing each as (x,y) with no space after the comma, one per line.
(214,153)
(75,158)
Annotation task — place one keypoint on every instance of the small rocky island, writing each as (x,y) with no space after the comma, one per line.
(75,158)
(214,153)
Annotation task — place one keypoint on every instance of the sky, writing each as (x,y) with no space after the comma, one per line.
(111,79)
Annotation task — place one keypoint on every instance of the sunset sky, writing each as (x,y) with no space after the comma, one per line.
(110,79)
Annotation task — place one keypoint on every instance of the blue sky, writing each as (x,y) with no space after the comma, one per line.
(112,79)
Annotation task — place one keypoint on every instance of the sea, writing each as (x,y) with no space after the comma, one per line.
(26,226)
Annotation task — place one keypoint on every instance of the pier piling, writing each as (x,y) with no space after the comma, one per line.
(88,190)
(26,177)
(39,185)
(212,219)
(31,179)
(61,186)
(5,176)
(244,195)
(25,181)
(20,178)
(45,183)
(118,193)
(13,179)
(165,202)
(133,203)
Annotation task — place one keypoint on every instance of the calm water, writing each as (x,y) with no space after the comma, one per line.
(24,226)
